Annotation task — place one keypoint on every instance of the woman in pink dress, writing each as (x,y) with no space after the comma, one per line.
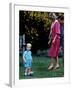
(55,45)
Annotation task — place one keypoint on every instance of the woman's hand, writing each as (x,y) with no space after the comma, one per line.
(53,41)
(49,42)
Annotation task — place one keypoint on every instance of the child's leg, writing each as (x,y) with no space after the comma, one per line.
(29,69)
(26,71)
(51,64)
(30,72)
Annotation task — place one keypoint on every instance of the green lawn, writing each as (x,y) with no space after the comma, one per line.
(40,65)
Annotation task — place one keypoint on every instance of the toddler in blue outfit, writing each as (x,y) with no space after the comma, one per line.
(27,58)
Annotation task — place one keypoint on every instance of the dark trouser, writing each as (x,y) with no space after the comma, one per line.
(62,43)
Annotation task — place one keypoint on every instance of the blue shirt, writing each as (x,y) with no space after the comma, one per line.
(27,55)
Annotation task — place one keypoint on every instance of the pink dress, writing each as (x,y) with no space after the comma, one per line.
(55,30)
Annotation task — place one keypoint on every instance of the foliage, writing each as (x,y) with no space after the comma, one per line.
(36,27)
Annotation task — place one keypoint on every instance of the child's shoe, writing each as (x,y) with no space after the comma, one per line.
(31,72)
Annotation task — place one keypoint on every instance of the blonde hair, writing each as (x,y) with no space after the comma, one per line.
(29,45)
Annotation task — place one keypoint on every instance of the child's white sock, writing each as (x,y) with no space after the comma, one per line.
(26,71)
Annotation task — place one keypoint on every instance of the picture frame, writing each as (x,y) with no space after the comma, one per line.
(14,46)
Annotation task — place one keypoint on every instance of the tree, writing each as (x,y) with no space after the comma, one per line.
(36,26)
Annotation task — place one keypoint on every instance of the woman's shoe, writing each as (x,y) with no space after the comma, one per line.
(50,67)
(57,66)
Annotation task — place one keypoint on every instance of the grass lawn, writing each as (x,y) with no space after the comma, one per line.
(40,65)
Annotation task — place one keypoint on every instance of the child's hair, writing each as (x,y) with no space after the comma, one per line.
(28,45)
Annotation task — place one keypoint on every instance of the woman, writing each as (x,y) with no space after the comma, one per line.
(55,45)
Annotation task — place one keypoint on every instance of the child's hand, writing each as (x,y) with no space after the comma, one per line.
(24,61)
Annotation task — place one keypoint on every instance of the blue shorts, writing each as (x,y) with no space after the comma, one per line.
(28,63)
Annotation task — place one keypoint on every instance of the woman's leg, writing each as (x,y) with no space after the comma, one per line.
(51,64)
(57,60)
(57,63)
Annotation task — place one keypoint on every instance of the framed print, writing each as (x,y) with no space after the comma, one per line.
(39,45)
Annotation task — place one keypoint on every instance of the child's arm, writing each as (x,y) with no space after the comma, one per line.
(24,57)
(31,57)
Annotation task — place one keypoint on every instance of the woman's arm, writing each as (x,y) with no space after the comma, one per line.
(54,39)
(50,38)
(57,31)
